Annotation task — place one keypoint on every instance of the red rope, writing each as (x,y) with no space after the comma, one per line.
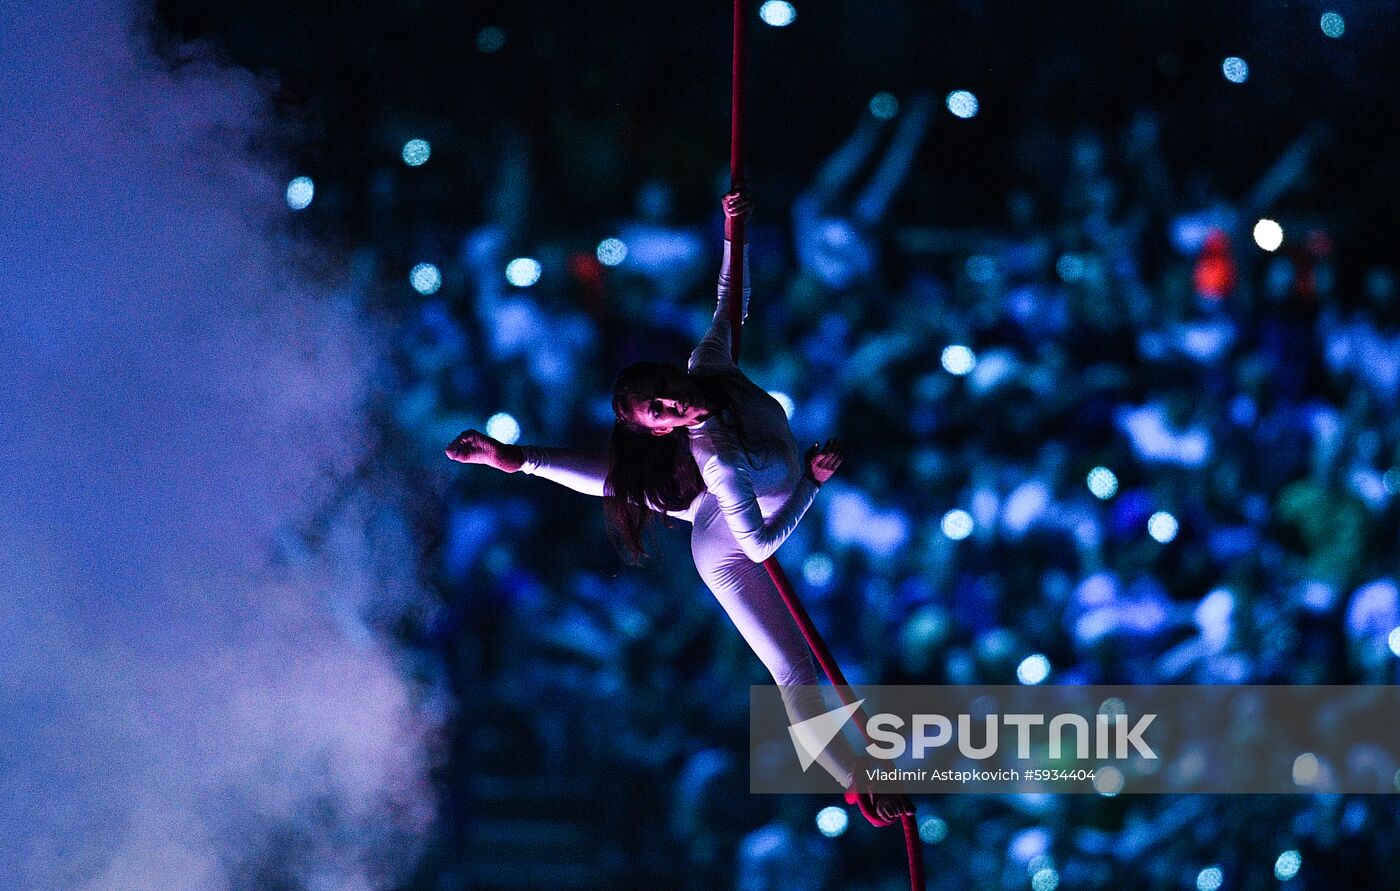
(734,231)
(734,226)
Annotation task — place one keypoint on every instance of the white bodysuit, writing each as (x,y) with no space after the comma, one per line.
(753,501)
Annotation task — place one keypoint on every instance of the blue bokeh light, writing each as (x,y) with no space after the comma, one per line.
(1391,481)
(980,268)
(1235,69)
(1333,25)
(932,830)
(416,152)
(884,106)
(491,38)
(1070,268)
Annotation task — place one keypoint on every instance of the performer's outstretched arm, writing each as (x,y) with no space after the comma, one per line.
(582,471)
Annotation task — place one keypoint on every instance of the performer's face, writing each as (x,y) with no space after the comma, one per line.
(662,414)
(658,397)
(668,401)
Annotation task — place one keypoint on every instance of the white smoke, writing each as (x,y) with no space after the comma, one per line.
(178,708)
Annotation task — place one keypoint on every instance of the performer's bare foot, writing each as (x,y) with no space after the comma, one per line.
(892,805)
(884,808)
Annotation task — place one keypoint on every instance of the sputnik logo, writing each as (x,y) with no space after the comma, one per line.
(812,736)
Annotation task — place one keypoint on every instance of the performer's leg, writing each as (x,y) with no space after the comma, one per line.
(756,608)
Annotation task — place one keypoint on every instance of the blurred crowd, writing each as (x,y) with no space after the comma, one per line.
(1121,437)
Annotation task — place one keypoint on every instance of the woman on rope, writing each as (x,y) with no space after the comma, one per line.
(709,446)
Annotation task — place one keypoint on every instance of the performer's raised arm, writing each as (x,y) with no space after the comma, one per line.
(716,347)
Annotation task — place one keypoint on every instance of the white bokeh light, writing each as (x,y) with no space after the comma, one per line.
(1033,669)
(425,278)
(832,821)
(1103,483)
(785,401)
(523,271)
(300,191)
(1268,234)
(1210,879)
(1235,69)
(416,152)
(1108,781)
(1305,769)
(957,524)
(778,13)
(503,427)
(1287,865)
(611,252)
(1162,526)
(962,104)
(958,359)
(1333,25)
(1045,879)
(818,570)
(1394,641)
(884,106)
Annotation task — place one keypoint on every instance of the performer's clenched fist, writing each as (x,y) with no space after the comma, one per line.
(475,447)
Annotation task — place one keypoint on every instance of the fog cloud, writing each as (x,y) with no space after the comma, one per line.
(179,708)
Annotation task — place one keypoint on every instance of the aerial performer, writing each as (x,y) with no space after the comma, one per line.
(709,446)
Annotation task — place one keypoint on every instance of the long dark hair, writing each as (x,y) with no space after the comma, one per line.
(649,473)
